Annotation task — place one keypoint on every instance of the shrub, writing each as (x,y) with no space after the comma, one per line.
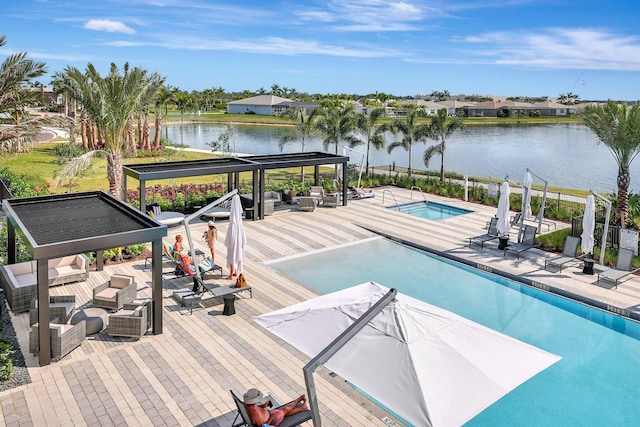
(6,361)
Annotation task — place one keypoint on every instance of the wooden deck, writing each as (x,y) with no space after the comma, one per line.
(183,376)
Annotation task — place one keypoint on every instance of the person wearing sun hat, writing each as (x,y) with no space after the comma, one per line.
(260,415)
(210,237)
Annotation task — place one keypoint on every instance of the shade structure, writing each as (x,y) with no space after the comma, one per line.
(503,224)
(428,365)
(526,201)
(236,239)
(588,225)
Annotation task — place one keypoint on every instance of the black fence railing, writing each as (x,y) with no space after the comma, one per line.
(613,233)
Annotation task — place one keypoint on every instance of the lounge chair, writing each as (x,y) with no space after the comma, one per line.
(569,253)
(527,242)
(623,268)
(492,234)
(361,193)
(208,266)
(245,419)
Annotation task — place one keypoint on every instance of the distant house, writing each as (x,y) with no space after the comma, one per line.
(267,105)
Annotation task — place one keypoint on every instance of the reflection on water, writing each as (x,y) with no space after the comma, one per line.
(566,155)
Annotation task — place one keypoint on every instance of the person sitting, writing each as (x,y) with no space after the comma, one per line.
(177,246)
(361,192)
(260,415)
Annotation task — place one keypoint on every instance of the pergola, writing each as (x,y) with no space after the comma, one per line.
(232,167)
(65,224)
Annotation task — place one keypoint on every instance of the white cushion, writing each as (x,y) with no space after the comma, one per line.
(108,294)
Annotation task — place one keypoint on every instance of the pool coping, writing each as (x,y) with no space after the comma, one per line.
(626,313)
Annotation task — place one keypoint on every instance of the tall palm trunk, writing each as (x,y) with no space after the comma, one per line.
(114,173)
(442,164)
(622,212)
(83,129)
(146,130)
(158,130)
(409,170)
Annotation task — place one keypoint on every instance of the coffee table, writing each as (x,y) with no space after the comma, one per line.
(96,318)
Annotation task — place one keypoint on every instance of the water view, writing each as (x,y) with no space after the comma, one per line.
(566,155)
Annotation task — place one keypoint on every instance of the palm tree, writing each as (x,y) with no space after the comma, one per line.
(617,126)
(110,102)
(440,129)
(411,131)
(182,100)
(335,122)
(372,133)
(302,131)
(163,98)
(15,71)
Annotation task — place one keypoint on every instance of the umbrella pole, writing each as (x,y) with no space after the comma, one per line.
(334,347)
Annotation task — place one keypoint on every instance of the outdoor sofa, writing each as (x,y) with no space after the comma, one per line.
(19,281)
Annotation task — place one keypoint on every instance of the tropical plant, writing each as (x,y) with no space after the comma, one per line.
(303,130)
(110,102)
(16,71)
(617,126)
(440,129)
(411,131)
(336,122)
(373,133)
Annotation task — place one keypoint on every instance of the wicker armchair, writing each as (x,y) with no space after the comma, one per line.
(64,338)
(134,320)
(61,308)
(112,295)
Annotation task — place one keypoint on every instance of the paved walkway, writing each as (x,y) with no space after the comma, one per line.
(183,377)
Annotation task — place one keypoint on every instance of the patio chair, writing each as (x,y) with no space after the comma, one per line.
(112,295)
(61,308)
(317,192)
(134,320)
(208,266)
(623,268)
(569,253)
(245,419)
(307,204)
(528,241)
(63,338)
(492,234)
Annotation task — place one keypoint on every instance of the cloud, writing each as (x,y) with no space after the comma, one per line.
(108,26)
(560,48)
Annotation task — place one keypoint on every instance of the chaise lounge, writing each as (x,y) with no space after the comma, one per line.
(623,268)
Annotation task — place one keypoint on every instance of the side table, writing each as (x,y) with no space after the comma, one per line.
(229,305)
(588,266)
(504,242)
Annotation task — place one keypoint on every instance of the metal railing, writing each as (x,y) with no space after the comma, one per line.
(415,187)
(392,196)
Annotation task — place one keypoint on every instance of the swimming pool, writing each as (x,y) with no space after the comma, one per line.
(595,383)
(430,210)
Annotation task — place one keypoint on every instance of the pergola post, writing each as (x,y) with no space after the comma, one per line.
(260,195)
(345,177)
(44,335)
(156,285)
(255,184)
(143,194)
(316,175)
(11,243)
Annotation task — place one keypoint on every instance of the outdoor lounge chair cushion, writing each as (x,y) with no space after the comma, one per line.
(623,268)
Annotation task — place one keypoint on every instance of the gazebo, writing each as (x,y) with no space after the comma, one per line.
(64,224)
(232,167)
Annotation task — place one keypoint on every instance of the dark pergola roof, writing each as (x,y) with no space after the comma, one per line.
(231,165)
(64,224)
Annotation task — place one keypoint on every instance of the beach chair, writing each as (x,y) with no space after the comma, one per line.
(569,253)
(528,241)
(245,419)
(623,268)
(208,266)
(492,234)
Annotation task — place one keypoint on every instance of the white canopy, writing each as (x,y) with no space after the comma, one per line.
(504,224)
(526,201)
(428,365)
(236,239)
(588,225)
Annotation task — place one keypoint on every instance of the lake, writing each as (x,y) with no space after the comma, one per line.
(566,155)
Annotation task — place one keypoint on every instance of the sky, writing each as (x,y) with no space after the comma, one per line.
(403,48)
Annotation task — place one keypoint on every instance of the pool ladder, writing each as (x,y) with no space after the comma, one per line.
(394,198)
(414,187)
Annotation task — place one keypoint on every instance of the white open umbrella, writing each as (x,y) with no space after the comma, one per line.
(428,365)
(235,240)
(588,225)
(504,224)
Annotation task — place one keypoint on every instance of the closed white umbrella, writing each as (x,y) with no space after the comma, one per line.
(236,239)
(526,201)
(504,224)
(588,225)
(428,365)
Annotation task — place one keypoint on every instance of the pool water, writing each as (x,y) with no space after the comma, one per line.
(596,383)
(430,210)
